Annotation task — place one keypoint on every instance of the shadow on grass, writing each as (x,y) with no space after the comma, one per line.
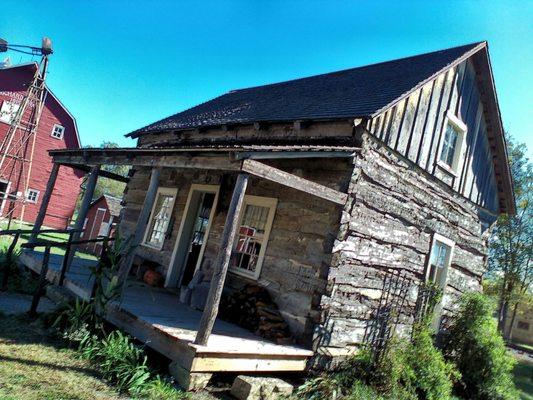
(58,367)
(20,330)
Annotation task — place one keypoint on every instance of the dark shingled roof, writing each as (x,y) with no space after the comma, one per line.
(351,93)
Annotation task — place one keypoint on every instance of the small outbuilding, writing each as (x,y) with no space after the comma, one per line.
(101,220)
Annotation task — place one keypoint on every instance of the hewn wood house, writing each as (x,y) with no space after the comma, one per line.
(316,188)
(57,130)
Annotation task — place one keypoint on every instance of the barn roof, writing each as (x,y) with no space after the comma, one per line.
(351,93)
(114,204)
(32,67)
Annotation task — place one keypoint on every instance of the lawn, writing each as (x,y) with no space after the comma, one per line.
(5,241)
(33,365)
(523,373)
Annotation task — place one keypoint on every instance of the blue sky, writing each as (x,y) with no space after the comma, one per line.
(119,65)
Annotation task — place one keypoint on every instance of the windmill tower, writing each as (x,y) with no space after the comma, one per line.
(17,147)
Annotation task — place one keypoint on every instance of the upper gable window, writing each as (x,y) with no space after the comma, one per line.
(58,131)
(8,111)
(452,142)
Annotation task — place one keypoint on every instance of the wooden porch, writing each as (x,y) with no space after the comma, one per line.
(155,317)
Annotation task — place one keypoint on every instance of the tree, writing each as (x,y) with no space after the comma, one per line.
(107,186)
(511,244)
(110,186)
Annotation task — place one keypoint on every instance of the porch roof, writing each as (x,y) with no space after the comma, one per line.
(232,158)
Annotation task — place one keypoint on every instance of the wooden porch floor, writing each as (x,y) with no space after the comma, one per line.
(155,317)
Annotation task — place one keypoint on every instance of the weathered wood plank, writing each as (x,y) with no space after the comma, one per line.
(276,175)
(222,263)
(175,161)
(429,130)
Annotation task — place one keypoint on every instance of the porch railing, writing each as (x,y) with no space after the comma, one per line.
(68,245)
(17,233)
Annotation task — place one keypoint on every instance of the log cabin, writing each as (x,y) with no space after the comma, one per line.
(311,192)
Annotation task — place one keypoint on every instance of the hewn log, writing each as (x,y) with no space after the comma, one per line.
(222,263)
(44,202)
(143,157)
(293,181)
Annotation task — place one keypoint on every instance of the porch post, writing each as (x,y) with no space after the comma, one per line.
(44,202)
(222,262)
(84,209)
(142,222)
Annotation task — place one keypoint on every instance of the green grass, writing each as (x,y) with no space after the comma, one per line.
(523,374)
(33,365)
(5,241)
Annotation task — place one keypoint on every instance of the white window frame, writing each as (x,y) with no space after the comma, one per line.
(9,115)
(54,130)
(462,129)
(174,270)
(37,194)
(160,191)
(444,281)
(260,201)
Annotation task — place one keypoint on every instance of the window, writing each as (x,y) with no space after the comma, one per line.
(32,195)
(58,131)
(523,325)
(8,111)
(440,259)
(252,236)
(160,218)
(452,142)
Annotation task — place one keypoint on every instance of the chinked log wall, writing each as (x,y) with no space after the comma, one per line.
(388,222)
(299,249)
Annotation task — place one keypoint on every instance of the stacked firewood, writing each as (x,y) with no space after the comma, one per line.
(252,308)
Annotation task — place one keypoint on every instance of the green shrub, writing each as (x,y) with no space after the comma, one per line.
(161,389)
(362,391)
(119,361)
(19,280)
(477,349)
(410,370)
(72,321)
(323,387)
(427,373)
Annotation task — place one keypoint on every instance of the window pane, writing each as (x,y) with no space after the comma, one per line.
(439,262)
(250,237)
(449,145)
(160,219)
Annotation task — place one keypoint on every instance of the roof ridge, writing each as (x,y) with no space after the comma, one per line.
(472,45)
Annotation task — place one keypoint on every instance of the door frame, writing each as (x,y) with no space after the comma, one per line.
(6,194)
(175,272)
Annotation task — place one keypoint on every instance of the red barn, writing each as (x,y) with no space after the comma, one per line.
(101,220)
(57,130)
